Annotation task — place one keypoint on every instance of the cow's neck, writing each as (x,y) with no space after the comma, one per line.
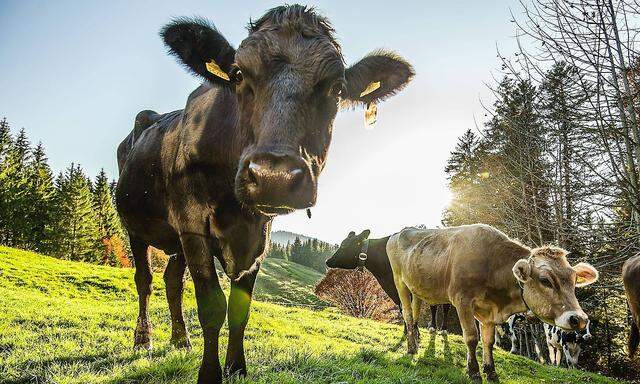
(378,264)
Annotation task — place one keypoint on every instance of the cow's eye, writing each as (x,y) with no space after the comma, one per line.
(236,75)
(546,282)
(337,89)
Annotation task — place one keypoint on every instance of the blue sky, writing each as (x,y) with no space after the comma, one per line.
(75,73)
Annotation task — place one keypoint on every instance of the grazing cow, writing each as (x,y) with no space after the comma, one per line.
(488,277)
(207,181)
(569,343)
(361,252)
(631,279)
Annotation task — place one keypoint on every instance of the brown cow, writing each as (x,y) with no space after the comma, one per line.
(631,278)
(486,276)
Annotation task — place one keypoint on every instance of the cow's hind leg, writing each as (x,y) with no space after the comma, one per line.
(445,314)
(238,316)
(470,334)
(433,323)
(143,278)
(174,282)
(407,314)
(488,340)
(416,305)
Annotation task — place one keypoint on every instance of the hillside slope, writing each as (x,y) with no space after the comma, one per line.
(65,322)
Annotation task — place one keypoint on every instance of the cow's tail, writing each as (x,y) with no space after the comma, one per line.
(634,338)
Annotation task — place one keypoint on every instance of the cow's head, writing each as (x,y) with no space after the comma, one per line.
(289,77)
(549,283)
(346,256)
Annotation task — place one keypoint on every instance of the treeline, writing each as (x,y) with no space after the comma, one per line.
(557,159)
(312,252)
(70,216)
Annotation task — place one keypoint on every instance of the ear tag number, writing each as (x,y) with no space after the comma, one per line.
(370,116)
(215,69)
(370,88)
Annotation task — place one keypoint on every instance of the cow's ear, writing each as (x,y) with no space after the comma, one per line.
(522,270)
(376,77)
(585,274)
(200,48)
(364,234)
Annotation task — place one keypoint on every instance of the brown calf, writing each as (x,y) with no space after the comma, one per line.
(486,276)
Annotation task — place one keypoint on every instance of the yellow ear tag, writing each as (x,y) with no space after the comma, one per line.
(370,88)
(215,69)
(370,116)
(580,280)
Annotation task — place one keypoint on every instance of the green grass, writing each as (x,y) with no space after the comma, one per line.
(65,322)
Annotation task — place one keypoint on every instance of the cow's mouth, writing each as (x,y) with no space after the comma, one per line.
(273,211)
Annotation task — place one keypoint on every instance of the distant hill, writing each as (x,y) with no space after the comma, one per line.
(284,237)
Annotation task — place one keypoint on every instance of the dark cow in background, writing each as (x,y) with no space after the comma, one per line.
(358,251)
(631,279)
(206,182)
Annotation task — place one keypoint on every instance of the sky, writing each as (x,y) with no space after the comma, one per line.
(75,73)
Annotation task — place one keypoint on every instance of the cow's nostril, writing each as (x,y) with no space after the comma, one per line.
(574,321)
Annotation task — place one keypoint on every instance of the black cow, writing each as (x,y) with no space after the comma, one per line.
(360,251)
(206,181)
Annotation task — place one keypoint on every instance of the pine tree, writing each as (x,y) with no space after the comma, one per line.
(74,230)
(107,219)
(13,190)
(39,198)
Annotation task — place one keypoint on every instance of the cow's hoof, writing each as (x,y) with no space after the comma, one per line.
(432,330)
(475,377)
(142,335)
(444,332)
(181,343)
(493,377)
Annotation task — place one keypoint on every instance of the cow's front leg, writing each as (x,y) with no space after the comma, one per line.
(212,305)
(488,340)
(238,316)
(470,334)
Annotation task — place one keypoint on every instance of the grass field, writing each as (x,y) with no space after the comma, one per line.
(66,322)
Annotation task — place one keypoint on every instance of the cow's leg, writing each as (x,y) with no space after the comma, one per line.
(174,281)
(488,339)
(416,305)
(445,314)
(407,314)
(470,334)
(433,323)
(238,316)
(143,278)
(212,305)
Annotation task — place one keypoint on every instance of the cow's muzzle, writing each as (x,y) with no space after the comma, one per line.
(276,182)
(572,320)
